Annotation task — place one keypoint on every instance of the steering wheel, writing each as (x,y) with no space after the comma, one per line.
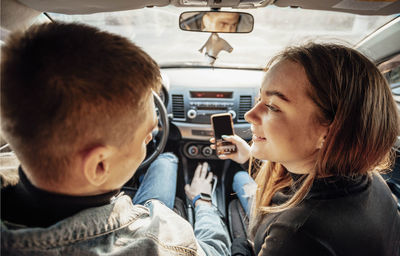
(160,134)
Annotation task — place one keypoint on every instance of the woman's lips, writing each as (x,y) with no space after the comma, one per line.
(258,138)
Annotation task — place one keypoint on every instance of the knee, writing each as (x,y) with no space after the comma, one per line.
(169,156)
(166,165)
(242,180)
(240,177)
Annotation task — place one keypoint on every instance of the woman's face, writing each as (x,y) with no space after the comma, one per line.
(284,124)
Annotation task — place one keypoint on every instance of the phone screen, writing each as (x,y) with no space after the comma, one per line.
(222,126)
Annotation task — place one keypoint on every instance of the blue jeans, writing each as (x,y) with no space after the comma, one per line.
(245,188)
(159,182)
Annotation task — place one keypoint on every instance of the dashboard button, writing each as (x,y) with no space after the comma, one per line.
(192,113)
(207,151)
(233,113)
(193,150)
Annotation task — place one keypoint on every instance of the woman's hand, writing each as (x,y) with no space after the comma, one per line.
(201,183)
(242,154)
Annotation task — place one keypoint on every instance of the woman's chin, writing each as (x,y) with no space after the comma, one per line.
(258,152)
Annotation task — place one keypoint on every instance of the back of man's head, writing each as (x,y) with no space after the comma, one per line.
(67,87)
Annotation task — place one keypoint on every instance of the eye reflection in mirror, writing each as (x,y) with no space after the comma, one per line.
(221,22)
(217,22)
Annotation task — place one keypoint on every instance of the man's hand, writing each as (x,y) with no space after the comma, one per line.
(242,154)
(201,183)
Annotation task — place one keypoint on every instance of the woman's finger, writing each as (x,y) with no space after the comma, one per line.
(229,138)
(233,138)
(223,157)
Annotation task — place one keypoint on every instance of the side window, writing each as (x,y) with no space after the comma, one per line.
(25,23)
(8,160)
(391,71)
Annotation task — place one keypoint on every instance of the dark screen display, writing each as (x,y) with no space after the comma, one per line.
(221,95)
(222,126)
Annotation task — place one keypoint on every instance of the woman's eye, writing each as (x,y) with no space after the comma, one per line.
(272,108)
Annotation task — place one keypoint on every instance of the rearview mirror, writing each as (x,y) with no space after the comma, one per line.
(219,22)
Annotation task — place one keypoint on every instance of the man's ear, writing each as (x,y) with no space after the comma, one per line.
(95,165)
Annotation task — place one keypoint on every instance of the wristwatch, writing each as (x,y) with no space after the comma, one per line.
(203,196)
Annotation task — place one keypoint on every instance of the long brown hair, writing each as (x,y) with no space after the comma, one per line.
(355,101)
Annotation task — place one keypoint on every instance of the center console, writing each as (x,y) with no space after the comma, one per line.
(194,94)
(192,109)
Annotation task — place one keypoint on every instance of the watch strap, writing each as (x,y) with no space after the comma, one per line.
(202,196)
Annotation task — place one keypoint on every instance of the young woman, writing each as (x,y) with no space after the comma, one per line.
(325,122)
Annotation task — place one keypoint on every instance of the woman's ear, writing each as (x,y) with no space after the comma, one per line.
(95,165)
(322,137)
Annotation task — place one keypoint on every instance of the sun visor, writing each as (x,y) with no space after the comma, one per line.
(363,7)
(90,6)
(239,4)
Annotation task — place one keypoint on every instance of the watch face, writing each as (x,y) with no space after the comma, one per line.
(205,196)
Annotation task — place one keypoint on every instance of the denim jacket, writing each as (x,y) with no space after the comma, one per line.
(121,228)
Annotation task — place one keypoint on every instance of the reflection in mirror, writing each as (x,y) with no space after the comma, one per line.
(220,22)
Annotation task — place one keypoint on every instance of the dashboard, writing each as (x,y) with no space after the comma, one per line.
(194,94)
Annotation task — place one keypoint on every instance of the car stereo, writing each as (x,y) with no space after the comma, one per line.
(191,109)
(197,106)
(200,112)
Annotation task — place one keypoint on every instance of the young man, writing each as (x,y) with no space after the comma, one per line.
(77,109)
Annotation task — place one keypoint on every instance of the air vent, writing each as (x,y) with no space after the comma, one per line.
(178,109)
(244,106)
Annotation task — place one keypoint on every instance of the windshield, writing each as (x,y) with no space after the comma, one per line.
(156,30)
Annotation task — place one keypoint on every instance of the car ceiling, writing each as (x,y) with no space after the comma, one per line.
(363,7)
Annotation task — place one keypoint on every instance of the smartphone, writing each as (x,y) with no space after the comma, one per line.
(223,125)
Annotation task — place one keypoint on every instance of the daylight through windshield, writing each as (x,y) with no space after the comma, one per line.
(156,30)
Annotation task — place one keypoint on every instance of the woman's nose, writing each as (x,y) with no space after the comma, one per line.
(252,116)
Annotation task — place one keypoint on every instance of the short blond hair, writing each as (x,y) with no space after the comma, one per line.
(68,87)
